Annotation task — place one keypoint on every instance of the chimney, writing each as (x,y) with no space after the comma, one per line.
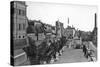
(68,20)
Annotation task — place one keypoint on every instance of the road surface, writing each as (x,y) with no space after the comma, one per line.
(71,55)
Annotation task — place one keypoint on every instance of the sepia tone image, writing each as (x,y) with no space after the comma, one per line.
(52,33)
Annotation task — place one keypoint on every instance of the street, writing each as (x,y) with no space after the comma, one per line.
(71,55)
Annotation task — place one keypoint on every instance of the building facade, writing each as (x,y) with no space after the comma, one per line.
(18,31)
(59,29)
(69,32)
(19,19)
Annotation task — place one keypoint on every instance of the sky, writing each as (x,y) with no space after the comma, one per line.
(80,16)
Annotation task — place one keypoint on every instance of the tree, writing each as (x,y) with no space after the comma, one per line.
(36,27)
(40,28)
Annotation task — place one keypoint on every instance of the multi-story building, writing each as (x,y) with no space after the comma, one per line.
(59,29)
(18,31)
(69,32)
(19,19)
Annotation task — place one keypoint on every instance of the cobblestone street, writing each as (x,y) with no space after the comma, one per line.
(71,55)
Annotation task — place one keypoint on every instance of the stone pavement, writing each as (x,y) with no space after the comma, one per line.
(71,55)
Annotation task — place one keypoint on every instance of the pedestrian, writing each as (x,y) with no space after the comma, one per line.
(87,51)
(84,50)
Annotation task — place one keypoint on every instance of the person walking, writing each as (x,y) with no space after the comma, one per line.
(84,50)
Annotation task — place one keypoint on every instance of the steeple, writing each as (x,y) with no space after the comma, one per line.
(95,20)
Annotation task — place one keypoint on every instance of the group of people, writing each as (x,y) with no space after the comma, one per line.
(50,49)
(54,48)
(47,52)
(88,53)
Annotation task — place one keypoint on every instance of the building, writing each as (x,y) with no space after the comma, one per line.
(18,32)
(59,29)
(70,32)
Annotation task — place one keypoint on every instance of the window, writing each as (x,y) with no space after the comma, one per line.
(19,36)
(19,12)
(23,36)
(23,13)
(23,26)
(19,27)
